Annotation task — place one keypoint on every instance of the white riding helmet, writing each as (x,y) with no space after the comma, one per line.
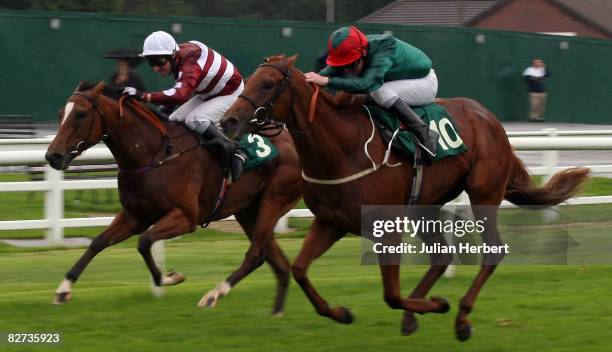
(159,43)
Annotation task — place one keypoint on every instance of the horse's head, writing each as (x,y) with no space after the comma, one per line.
(81,126)
(267,97)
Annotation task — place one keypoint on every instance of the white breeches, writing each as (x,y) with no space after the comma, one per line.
(198,114)
(414,92)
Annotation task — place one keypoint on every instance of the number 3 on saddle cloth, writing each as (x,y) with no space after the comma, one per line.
(434,115)
(258,149)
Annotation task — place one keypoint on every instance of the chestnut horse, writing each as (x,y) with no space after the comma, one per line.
(330,141)
(166,192)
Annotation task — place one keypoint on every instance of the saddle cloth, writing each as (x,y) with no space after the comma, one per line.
(434,115)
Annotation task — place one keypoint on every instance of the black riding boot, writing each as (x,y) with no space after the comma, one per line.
(427,137)
(238,161)
(231,158)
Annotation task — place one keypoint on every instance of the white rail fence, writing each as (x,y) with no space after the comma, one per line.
(31,152)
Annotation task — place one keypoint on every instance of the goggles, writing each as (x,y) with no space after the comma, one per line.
(157,61)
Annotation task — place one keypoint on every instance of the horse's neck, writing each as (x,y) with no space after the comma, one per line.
(332,140)
(133,141)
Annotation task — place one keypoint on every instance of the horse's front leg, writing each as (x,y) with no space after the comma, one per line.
(320,238)
(122,227)
(174,223)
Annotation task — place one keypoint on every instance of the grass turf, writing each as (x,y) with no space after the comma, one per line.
(553,308)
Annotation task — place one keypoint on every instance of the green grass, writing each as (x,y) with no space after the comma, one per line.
(549,308)
(552,308)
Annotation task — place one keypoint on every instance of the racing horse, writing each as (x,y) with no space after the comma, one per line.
(169,185)
(330,135)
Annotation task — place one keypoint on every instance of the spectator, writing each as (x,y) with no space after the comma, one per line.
(127,60)
(535,77)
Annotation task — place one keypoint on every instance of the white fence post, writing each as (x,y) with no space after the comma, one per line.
(551,160)
(282,226)
(551,157)
(54,205)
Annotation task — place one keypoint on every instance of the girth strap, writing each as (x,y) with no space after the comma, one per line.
(219,202)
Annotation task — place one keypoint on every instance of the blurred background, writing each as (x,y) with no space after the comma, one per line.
(479,48)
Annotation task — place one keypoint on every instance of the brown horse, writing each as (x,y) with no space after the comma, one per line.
(166,192)
(330,139)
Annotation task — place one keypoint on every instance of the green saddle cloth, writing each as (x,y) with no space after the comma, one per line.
(436,117)
(259,150)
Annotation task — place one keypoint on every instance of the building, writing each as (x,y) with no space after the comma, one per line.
(583,18)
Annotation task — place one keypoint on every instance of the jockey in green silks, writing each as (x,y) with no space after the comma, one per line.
(394,74)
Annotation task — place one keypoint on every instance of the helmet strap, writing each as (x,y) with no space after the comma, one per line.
(173,62)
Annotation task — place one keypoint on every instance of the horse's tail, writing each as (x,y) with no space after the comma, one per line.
(522,191)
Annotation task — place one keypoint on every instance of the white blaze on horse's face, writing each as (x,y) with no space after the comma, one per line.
(67,110)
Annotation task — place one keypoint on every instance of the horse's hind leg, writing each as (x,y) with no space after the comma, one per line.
(390,276)
(282,269)
(174,223)
(490,236)
(438,265)
(120,229)
(279,196)
(320,238)
(274,256)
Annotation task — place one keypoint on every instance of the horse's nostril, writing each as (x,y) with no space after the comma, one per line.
(54,159)
(231,122)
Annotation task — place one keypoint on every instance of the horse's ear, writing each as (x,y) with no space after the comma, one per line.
(78,87)
(291,60)
(97,90)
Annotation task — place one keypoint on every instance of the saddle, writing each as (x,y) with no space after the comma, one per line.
(404,141)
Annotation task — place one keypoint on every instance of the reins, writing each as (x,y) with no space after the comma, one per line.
(311,117)
(145,114)
(375,166)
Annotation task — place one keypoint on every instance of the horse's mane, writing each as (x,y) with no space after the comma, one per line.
(340,100)
(114,93)
(109,91)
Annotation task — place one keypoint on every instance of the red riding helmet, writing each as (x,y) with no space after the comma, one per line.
(346,45)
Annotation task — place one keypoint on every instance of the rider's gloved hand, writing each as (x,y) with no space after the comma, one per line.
(133,92)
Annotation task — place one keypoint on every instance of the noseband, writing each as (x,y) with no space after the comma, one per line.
(261,115)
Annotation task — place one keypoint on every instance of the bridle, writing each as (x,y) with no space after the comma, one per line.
(261,115)
(83,144)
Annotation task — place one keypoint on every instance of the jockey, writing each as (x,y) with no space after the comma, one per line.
(207,84)
(394,74)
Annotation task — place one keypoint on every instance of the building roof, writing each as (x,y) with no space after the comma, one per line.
(596,13)
(430,12)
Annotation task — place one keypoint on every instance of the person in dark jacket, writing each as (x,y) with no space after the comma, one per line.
(535,77)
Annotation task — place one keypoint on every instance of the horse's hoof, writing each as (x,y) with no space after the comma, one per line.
(62,297)
(410,324)
(208,301)
(464,332)
(342,315)
(278,314)
(173,278)
(211,297)
(444,305)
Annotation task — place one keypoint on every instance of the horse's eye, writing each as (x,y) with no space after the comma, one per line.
(268,84)
(80,114)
